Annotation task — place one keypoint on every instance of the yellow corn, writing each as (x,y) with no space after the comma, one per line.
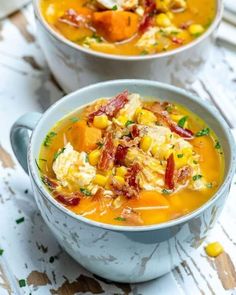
(214,249)
(146,117)
(122,119)
(162,20)
(137,111)
(120,179)
(93,157)
(145,143)
(100,180)
(101,122)
(154,149)
(196,29)
(121,171)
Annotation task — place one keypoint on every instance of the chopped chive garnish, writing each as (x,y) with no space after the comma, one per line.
(74,119)
(20,220)
(85,191)
(86,158)
(43,160)
(114,7)
(144,52)
(217,145)
(37,165)
(100,145)
(166,191)
(203,132)
(22,283)
(120,218)
(58,153)
(196,177)
(195,162)
(97,38)
(180,156)
(48,138)
(129,122)
(182,121)
(1,252)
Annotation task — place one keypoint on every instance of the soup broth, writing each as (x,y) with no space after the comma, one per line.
(126,161)
(129,27)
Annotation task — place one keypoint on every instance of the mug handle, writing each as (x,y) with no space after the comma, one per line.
(19,136)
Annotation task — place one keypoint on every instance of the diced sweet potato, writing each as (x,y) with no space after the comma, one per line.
(83,137)
(115,25)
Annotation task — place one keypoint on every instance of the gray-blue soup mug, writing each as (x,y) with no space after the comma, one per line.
(133,253)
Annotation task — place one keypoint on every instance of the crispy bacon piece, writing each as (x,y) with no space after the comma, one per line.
(148,17)
(112,107)
(69,200)
(185,133)
(71,17)
(127,142)
(107,153)
(178,41)
(184,173)
(169,174)
(120,155)
(131,175)
(132,217)
(134,131)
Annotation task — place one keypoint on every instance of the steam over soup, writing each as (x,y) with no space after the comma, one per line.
(126,161)
(130,27)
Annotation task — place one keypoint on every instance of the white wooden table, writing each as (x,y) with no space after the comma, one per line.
(28,251)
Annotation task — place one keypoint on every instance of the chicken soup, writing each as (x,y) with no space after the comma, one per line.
(128,161)
(129,27)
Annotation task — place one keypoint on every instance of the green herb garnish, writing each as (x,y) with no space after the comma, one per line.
(144,52)
(129,122)
(100,145)
(1,252)
(195,162)
(203,132)
(217,145)
(120,218)
(85,192)
(196,177)
(182,121)
(37,165)
(20,220)
(43,160)
(97,38)
(180,156)
(209,185)
(22,283)
(86,158)
(166,191)
(48,138)
(58,153)
(115,7)
(74,119)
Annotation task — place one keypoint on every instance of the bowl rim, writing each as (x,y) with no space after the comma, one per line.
(34,174)
(59,37)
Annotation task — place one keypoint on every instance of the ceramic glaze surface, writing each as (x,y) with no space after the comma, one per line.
(103,249)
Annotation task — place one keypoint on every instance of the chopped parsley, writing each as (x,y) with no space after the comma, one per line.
(97,38)
(20,220)
(166,191)
(209,185)
(144,52)
(180,156)
(115,7)
(100,145)
(195,162)
(74,119)
(203,132)
(182,121)
(1,252)
(196,177)
(129,122)
(217,145)
(86,158)
(43,160)
(22,283)
(58,153)
(85,191)
(120,218)
(48,138)
(37,165)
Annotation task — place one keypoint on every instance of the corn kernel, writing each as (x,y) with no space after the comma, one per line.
(93,157)
(145,143)
(155,149)
(196,29)
(121,171)
(162,20)
(120,179)
(122,119)
(214,249)
(101,122)
(146,117)
(100,180)
(137,112)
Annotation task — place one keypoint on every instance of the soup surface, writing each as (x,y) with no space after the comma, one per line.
(129,27)
(128,161)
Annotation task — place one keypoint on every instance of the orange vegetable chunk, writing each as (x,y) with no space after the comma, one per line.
(115,25)
(83,137)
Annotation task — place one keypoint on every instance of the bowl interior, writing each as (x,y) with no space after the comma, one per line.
(146,89)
